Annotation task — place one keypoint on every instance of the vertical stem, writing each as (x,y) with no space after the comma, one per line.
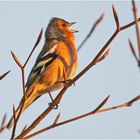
(136,25)
(23,82)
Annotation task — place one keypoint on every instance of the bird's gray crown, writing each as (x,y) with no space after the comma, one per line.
(52,30)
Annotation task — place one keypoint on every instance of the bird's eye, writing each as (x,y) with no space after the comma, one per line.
(64,25)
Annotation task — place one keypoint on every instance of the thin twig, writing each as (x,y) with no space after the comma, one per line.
(2,127)
(22,70)
(36,44)
(14,113)
(133,50)
(56,119)
(91,31)
(3,75)
(136,24)
(16,60)
(129,25)
(104,55)
(116,17)
(59,96)
(16,118)
(70,120)
(24,128)
(127,104)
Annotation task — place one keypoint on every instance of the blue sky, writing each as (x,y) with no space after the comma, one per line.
(118,75)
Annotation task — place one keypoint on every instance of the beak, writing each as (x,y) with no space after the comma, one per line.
(73,31)
(71,23)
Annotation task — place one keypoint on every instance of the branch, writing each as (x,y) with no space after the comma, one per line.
(3,126)
(116,17)
(127,104)
(136,24)
(133,50)
(91,31)
(22,70)
(70,120)
(104,55)
(3,75)
(15,123)
(59,96)
(56,119)
(36,44)
(16,118)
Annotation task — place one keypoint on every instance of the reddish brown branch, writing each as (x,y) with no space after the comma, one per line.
(104,55)
(36,44)
(133,50)
(136,24)
(129,24)
(56,119)
(22,70)
(3,124)
(127,104)
(116,17)
(59,96)
(3,75)
(91,31)
(70,120)
(15,123)
(24,128)
(16,60)
(16,118)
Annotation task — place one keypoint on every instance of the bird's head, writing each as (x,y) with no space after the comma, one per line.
(59,28)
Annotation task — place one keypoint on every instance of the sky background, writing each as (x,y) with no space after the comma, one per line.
(118,75)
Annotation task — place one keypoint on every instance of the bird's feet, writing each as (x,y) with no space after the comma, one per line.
(53,107)
(50,104)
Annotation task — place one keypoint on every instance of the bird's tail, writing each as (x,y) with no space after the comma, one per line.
(32,96)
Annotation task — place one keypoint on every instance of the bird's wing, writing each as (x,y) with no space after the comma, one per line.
(44,59)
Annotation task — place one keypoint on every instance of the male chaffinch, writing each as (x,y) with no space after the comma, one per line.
(57,57)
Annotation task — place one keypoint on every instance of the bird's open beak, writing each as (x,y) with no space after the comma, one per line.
(71,23)
(73,31)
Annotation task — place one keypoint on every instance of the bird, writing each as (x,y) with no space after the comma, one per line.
(57,61)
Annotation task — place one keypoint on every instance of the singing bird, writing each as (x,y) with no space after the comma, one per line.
(58,56)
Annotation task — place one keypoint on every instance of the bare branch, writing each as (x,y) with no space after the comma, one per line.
(59,96)
(14,128)
(136,24)
(116,17)
(133,50)
(56,119)
(128,25)
(22,70)
(36,44)
(104,55)
(3,75)
(16,118)
(70,120)
(2,127)
(24,128)
(14,113)
(16,60)
(127,104)
(91,31)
